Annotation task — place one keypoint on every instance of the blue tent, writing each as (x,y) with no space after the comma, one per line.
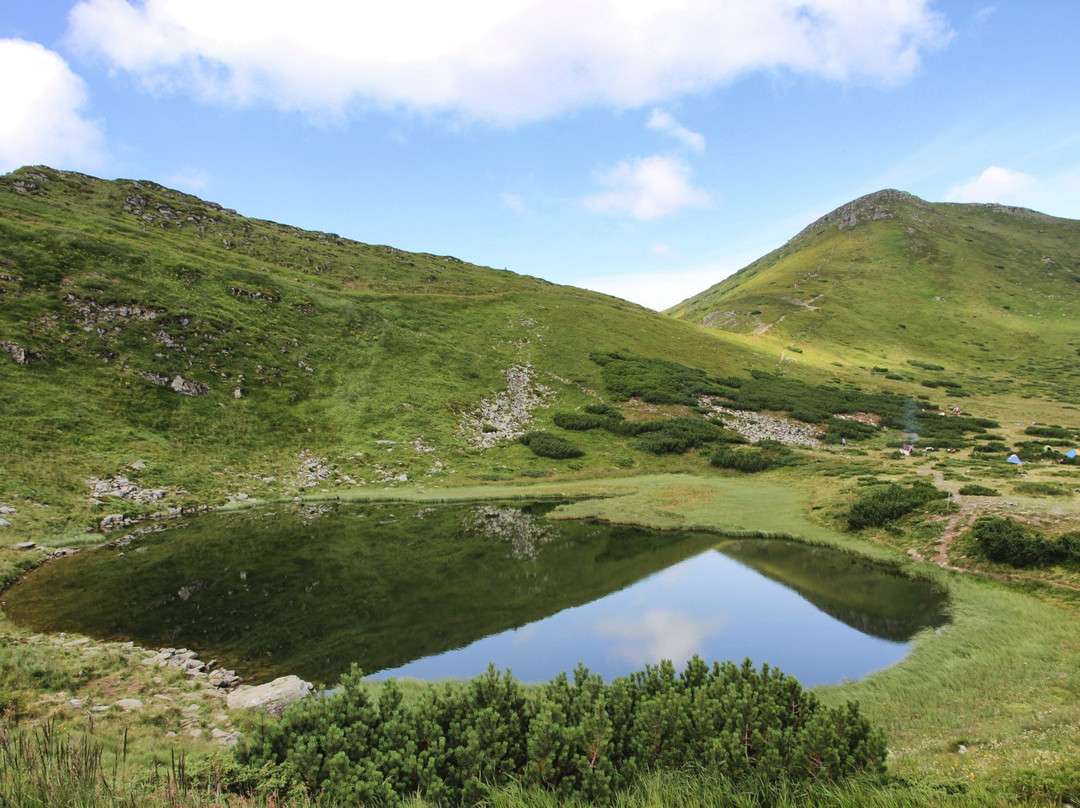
(1071,453)
(1016,461)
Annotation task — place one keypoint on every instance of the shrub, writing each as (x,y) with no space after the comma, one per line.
(846,428)
(657,381)
(883,504)
(976,490)
(603,409)
(1049,432)
(580,421)
(764,456)
(545,444)
(1004,541)
(676,435)
(918,363)
(745,460)
(575,738)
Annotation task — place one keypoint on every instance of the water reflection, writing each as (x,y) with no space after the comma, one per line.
(441,591)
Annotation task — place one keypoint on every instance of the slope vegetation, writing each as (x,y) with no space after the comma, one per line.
(986,292)
(155,337)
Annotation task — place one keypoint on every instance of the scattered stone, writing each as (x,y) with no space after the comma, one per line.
(505,416)
(186,388)
(124,488)
(5,523)
(272,698)
(129,704)
(226,739)
(23,545)
(21,355)
(756,426)
(75,704)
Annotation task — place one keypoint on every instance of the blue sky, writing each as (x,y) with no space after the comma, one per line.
(644,148)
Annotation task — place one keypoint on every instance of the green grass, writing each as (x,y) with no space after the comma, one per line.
(403,347)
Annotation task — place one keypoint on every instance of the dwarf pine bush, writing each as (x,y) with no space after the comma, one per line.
(545,444)
(882,504)
(574,736)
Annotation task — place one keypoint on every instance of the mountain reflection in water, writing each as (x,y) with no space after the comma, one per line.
(436,591)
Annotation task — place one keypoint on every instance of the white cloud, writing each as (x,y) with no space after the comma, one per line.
(514,202)
(660,121)
(658,634)
(502,61)
(44,119)
(1057,194)
(647,188)
(996,184)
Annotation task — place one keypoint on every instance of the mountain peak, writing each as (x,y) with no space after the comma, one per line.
(884,204)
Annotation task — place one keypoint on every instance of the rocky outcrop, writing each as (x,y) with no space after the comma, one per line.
(124,488)
(21,355)
(272,698)
(315,471)
(755,426)
(505,415)
(177,383)
(188,661)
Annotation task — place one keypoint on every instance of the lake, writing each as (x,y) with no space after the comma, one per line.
(440,591)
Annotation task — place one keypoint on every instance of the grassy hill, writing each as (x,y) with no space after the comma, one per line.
(159,352)
(987,292)
(228,355)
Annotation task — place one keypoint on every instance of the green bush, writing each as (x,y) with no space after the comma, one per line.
(580,421)
(848,429)
(883,504)
(745,460)
(576,738)
(675,435)
(656,381)
(603,409)
(545,444)
(918,363)
(1050,432)
(1004,541)
(976,490)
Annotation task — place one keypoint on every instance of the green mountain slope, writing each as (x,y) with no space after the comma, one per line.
(140,325)
(989,292)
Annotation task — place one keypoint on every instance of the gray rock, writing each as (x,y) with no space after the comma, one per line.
(186,388)
(272,698)
(23,545)
(129,704)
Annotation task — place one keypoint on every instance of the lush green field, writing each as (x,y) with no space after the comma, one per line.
(310,365)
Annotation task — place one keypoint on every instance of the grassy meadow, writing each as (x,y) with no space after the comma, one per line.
(328,370)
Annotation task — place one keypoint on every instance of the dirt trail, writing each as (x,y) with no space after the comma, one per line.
(961,521)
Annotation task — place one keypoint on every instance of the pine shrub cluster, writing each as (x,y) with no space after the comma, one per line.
(1007,542)
(656,381)
(544,444)
(764,456)
(658,436)
(571,737)
(882,504)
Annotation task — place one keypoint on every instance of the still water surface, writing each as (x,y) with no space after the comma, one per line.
(431,592)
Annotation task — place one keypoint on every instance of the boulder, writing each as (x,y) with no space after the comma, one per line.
(272,698)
